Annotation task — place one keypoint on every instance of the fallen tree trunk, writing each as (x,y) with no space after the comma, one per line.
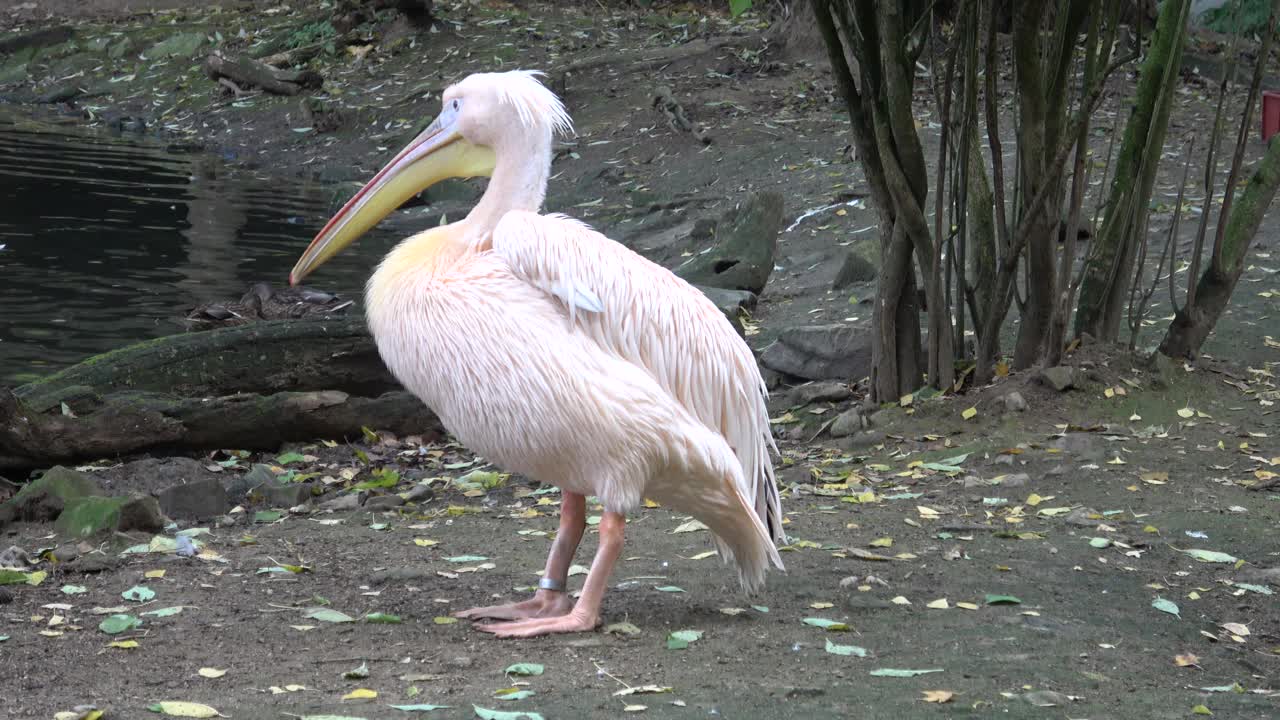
(247,72)
(127,423)
(249,386)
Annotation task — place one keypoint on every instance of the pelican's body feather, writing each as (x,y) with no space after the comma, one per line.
(639,395)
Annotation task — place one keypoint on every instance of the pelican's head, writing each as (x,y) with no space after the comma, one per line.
(484,116)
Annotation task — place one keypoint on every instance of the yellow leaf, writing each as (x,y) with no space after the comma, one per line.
(938,696)
(969,413)
(939,604)
(425,542)
(906,400)
(1151,529)
(1116,461)
(1186,660)
(153,574)
(1186,412)
(967,605)
(1201,710)
(704,555)
(900,600)
(361,694)
(1109,393)
(650,504)
(37,577)
(1235,628)
(1002,369)
(1155,478)
(1034,499)
(444,620)
(209,672)
(176,708)
(883,542)
(124,644)
(821,605)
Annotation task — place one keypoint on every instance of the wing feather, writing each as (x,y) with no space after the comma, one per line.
(649,316)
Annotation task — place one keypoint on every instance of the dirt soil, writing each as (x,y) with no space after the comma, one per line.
(1064,507)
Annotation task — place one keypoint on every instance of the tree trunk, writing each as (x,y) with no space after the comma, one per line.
(1109,266)
(250,386)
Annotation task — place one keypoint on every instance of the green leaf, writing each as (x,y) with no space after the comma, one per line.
(138,593)
(117,624)
(466,558)
(760,608)
(487,714)
(328,615)
(378,617)
(1210,556)
(524,669)
(267,516)
(1003,600)
(1260,589)
(164,612)
(3,638)
(74,589)
(369,435)
(1201,710)
(621,628)
(853,650)
(1165,606)
(289,458)
(737,7)
(1233,687)
(825,624)
(12,577)
(669,588)
(1099,542)
(680,639)
(420,708)
(382,478)
(894,672)
(514,694)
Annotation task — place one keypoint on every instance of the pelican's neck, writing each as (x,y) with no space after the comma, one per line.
(518,182)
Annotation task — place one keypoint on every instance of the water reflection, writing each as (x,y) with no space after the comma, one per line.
(105,241)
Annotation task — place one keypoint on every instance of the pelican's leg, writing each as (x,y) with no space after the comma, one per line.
(547,603)
(586,613)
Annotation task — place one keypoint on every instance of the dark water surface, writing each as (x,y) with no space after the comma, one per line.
(106,241)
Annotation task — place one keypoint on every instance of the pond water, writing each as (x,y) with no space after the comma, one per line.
(106,241)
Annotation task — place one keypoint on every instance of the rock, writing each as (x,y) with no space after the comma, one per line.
(825,391)
(6,596)
(743,257)
(847,423)
(199,500)
(283,494)
(856,268)
(92,563)
(239,486)
(382,503)
(184,45)
(821,352)
(1059,377)
(731,302)
(1083,517)
(865,439)
(350,501)
(1015,480)
(419,493)
(15,557)
(45,498)
(849,581)
(1081,445)
(1014,402)
(93,515)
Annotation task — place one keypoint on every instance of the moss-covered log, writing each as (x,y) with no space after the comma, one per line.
(249,386)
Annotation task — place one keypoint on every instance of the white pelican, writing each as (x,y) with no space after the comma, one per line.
(559,354)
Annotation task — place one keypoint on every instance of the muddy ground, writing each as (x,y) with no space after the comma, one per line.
(1063,506)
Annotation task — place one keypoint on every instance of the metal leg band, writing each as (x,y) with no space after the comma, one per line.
(547,583)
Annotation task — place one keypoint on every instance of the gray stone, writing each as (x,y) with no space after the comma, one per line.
(1080,517)
(43,499)
(239,486)
(1059,377)
(419,493)
(821,352)
(730,302)
(1015,480)
(1015,402)
(198,500)
(181,45)
(349,501)
(856,268)
(865,439)
(1081,445)
(285,495)
(824,391)
(383,503)
(847,423)
(747,242)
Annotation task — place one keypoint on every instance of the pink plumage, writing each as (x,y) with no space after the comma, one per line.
(559,354)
